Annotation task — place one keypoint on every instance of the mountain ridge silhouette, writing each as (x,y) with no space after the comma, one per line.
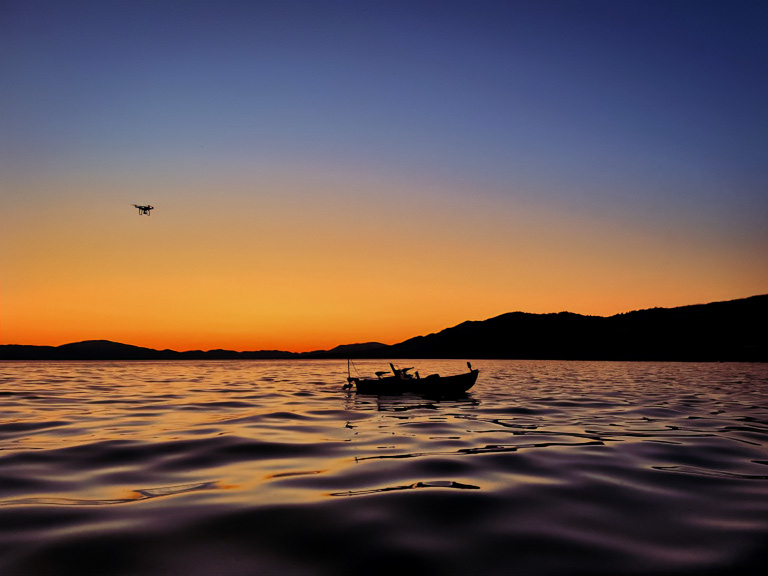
(732,330)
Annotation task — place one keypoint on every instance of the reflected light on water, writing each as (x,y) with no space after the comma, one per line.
(542,468)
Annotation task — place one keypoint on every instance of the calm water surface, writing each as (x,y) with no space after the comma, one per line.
(250,468)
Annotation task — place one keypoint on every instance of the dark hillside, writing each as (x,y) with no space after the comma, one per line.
(720,331)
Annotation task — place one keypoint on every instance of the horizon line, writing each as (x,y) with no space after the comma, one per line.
(374,342)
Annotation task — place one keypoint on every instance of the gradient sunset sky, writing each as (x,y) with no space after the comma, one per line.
(330,172)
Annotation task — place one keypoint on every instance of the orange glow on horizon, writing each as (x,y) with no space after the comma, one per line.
(312,268)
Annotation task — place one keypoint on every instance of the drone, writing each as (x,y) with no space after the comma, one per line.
(144,209)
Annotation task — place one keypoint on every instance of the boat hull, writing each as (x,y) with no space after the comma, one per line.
(430,385)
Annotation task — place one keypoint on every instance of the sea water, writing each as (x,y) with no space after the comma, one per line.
(269,467)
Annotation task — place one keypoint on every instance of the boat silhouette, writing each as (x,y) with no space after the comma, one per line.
(401,381)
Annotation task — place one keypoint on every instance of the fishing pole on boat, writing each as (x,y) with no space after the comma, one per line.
(350,379)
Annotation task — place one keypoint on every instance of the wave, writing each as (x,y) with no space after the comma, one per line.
(257,467)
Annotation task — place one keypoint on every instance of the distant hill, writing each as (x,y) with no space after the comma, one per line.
(88,350)
(720,331)
(357,350)
(107,350)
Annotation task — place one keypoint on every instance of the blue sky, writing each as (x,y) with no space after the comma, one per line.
(481,84)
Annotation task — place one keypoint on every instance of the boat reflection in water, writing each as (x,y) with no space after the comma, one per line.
(400,381)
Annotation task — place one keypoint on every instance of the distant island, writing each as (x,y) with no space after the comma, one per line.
(719,331)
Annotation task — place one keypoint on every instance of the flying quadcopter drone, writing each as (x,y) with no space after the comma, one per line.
(144,209)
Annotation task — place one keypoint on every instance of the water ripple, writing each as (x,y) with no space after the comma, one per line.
(414,486)
(135,496)
(230,468)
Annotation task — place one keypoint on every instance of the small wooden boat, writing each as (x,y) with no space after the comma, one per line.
(401,381)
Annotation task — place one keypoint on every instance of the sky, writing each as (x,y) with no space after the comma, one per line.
(329,172)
